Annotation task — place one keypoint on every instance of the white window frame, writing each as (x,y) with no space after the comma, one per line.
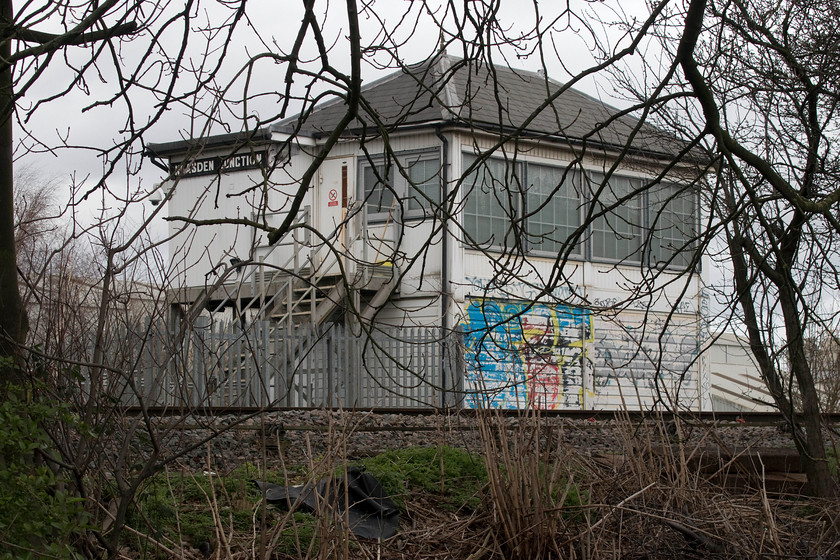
(482,202)
(618,227)
(406,202)
(678,226)
(545,201)
(626,227)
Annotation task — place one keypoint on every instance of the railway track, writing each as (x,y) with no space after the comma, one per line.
(751,443)
(736,418)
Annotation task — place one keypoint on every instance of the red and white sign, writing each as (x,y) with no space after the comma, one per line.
(333,198)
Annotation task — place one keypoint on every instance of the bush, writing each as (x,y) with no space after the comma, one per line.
(38,517)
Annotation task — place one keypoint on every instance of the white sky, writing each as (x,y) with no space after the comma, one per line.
(271,26)
(63,120)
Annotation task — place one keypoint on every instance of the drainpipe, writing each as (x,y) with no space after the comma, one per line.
(157,163)
(444,269)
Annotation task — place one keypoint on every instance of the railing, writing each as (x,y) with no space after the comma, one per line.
(291,366)
(254,273)
(308,269)
(291,287)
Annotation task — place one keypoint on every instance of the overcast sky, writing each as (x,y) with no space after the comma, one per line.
(272,26)
(269,26)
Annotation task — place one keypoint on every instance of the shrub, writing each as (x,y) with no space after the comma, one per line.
(38,516)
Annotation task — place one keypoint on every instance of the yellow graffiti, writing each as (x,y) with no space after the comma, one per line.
(539,348)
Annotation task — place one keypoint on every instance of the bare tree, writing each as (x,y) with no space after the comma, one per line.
(751,86)
(766,179)
(96,43)
(82,29)
(762,77)
(86,282)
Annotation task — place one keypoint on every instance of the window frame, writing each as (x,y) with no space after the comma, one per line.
(678,259)
(590,179)
(635,257)
(576,174)
(523,211)
(468,187)
(400,186)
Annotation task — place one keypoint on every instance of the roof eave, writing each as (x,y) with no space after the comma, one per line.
(167,149)
(553,137)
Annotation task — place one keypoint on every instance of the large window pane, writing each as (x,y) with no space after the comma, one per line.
(492,201)
(616,235)
(412,185)
(673,223)
(423,183)
(554,207)
(379,195)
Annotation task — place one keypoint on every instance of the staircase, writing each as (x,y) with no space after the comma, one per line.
(303,279)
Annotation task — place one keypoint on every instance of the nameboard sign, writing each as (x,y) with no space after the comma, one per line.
(226,164)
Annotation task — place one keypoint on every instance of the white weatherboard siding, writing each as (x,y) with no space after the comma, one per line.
(736,384)
(584,345)
(551,355)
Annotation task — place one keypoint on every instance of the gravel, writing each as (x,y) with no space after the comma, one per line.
(301,438)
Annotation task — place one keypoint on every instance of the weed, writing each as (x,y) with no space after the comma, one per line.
(455,473)
(831,456)
(179,506)
(298,535)
(39,516)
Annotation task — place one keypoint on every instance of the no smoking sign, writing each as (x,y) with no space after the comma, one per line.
(333,198)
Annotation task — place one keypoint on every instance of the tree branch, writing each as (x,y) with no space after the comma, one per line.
(42,38)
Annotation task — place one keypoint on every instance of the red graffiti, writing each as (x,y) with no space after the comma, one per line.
(542,372)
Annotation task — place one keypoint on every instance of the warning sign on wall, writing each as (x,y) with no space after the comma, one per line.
(333,198)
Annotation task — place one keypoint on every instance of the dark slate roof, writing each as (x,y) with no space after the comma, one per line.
(463,93)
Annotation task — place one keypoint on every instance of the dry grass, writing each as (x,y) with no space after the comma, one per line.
(543,499)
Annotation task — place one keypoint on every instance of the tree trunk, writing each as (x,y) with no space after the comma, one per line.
(11,323)
(811,447)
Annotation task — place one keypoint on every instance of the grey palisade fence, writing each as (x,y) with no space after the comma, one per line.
(304,365)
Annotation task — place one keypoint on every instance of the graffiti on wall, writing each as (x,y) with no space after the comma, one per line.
(521,354)
(646,360)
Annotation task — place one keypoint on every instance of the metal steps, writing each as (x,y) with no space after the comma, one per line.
(318,302)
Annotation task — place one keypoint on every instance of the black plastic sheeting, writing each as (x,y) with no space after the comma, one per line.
(371,514)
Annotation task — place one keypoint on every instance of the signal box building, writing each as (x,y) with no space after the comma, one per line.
(493,204)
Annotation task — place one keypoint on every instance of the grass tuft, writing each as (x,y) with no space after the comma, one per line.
(451,473)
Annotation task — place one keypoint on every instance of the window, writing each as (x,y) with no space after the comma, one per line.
(636,220)
(554,207)
(492,201)
(407,183)
(673,222)
(378,194)
(497,207)
(617,234)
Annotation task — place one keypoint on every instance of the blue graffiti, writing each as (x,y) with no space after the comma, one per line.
(525,354)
